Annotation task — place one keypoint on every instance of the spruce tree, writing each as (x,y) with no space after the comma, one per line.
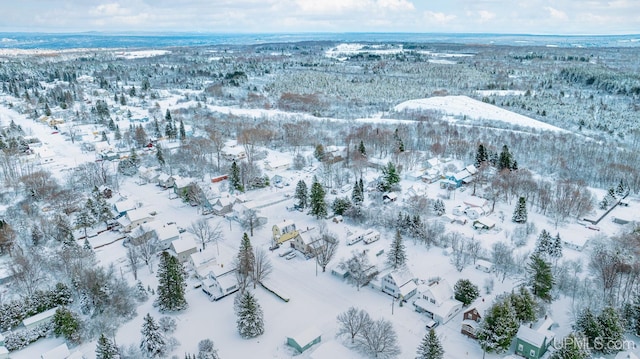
(520,212)
(250,320)
(544,244)
(498,327)
(84,219)
(430,347)
(612,330)
(587,324)
(301,194)
(390,177)
(524,304)
(171,284)
(316,199)
(481,155)
(66,324)
(397,256)
(465,291)
(183,133)
(235,177)
(153,343)
(555,251)
(540,277)
(246,260)
(167,116)
(160,155)
(207,350)
(362,149)
(106,349)
(438,207)
(156,129)
(505,160)
(357,195)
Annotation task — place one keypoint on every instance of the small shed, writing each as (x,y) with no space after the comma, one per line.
(41,318)
(59,352)
(305,339)
(484,223)
(484,266)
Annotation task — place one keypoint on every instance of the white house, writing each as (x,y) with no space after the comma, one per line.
(575,242)
(184,248)
(122,207)
(165,180)
(458,210)
(484,223)
(166,233)
(134,218)
(473,201)
(483,265)
(437,301)
(476,212)
(399,284)
(233,152)
(279,164)
(220,281)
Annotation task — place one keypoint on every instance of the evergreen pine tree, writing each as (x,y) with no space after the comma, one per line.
(520,212)
(540,277)
(505,161)
(612,330)
(555,251)
(250,320)
(524,304)
(573,347)
(160,155)
(167,116)
(316,200)
(156,129)
(106,349)
(36,235)
(544,244)
(438,207)
(66,324)
(47,109)
(362,149)
(498,327)
(481,155)
(84,219)
(183,133)
(117,135)
(235,177)
(301,194)
(620,190)
(587,324)
(111,125)
(357,196)
(171,284)
(153,343)
(397,255)
(465,291)
(390,177)
(430,347)
(246,260)
(207,350)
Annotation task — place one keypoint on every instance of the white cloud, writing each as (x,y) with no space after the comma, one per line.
(486,15)
(110,9)
(556,14)
(396,5)
(438,17)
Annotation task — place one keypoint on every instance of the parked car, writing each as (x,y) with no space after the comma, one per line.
(290,256)
(431,324)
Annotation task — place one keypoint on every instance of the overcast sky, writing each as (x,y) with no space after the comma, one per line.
(268,16)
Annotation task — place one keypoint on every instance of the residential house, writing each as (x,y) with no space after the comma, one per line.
(279,164)
(471,317)
(533,340)
(134,218)
(475,202)
(61,352)
(305,339)
(458,210)
(181,185)
(389,197)
(165,181)
(223,205)
(147,175)
(306,241)
(184,248)
(484,266)
(122,207)
(220,281)
(400,284)
(431,175)
(166,234)
(201,261)
(575,242)
(233,152)
(433,162)
(437,301)
(476,212)
(331,349)
(284,231)
(414,175)
(627,354)
(459,178)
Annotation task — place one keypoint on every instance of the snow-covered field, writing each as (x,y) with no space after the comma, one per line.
(316,298)
(473,109)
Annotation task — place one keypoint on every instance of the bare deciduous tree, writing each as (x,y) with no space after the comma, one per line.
(379,339)
(325,248)
(146,245)
(205,232)
(262,266)
(27,271)
(360,270)
(133,259)
(352,322)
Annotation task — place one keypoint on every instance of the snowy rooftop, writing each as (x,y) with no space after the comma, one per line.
(38,317)
(59,352)
(306,336)
(183,245)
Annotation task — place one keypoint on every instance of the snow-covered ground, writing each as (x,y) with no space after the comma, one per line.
(316,298)
(473,109)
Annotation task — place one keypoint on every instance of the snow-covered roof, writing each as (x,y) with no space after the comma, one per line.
(537,332)
(166,231)
(183,245)
(407,288)
(38,317)
(182,182)
(473,201)
(331,349)
(486,221)
(441,310)
(306,336)
(433,162)
(627,354)
(126,205)
(202,257)
(137,214)
(59,352)
(4,351)
(441,291)
(401,277)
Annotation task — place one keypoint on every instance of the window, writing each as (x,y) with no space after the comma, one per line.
(532,353)
(520,348)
